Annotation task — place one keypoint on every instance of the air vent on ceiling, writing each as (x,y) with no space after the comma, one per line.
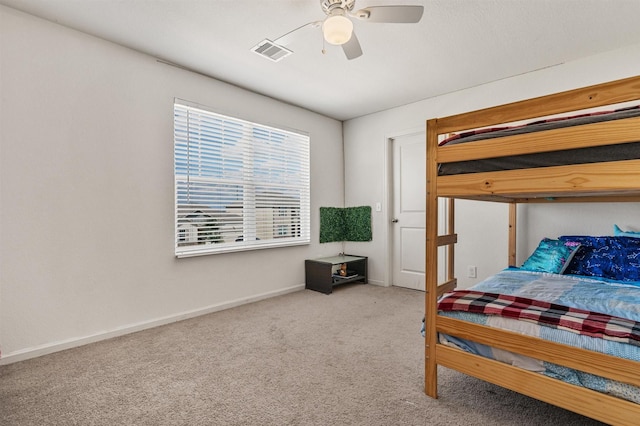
(270,50)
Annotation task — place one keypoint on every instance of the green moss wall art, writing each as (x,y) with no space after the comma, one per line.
(331,224)
(345,224)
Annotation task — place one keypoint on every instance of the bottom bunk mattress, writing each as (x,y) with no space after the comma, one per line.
(591,313)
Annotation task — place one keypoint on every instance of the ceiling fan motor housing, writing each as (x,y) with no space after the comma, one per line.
(329,6)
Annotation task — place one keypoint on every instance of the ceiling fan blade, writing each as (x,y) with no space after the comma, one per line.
(352,48)
(391,14)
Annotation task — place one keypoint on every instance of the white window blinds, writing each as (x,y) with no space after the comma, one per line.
(238,185)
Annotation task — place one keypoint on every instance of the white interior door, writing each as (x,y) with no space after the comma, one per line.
(408,221)
(409,216)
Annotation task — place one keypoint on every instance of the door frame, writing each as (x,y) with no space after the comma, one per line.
(388,197)
(387,211)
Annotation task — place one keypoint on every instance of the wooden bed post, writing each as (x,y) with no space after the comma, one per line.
(431,263)
(513,209)
(451,230)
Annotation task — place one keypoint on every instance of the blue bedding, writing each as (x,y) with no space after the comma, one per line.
(606,296)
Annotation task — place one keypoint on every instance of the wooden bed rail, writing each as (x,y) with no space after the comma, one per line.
(599,134)
(445,240)
(609,409)
(599,95)
(614,178)
(608,366)
(447,286)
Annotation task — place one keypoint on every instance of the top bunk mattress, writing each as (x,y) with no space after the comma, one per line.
(625,151)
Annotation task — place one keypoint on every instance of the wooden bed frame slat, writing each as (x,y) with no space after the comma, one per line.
(599,95)
(580,359)
(612,199)
(589,135)
(447,286)
(445,240)
(584,401)
(615,177)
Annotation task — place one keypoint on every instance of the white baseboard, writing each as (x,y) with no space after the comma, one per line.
(49,348)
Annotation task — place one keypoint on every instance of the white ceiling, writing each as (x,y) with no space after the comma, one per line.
(457,44)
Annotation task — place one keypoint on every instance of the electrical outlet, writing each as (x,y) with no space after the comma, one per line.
(472,271)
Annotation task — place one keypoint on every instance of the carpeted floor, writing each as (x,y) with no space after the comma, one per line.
(354,357)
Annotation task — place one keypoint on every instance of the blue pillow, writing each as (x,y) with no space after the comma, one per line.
(620,233)
(615,258)
(551,256)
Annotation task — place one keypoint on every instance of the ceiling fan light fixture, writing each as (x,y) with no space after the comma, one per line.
(337,29)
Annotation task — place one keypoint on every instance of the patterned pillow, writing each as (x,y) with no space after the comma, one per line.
(551,256)
(620,233)
(616,258)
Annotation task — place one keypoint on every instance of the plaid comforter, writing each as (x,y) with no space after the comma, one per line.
(579,321)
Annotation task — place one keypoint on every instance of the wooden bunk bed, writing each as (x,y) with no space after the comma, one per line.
(608,181)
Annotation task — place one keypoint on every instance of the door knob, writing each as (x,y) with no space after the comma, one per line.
(394,221)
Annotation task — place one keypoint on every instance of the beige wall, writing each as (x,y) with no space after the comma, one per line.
(481,226)
(87,196)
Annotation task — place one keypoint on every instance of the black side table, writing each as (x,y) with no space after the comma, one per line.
(321,274)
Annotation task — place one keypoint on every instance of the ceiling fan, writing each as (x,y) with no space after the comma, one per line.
(337,27)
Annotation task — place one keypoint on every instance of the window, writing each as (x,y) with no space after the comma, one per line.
(239,185)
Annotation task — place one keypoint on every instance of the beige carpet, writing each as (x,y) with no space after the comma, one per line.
(350,358)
